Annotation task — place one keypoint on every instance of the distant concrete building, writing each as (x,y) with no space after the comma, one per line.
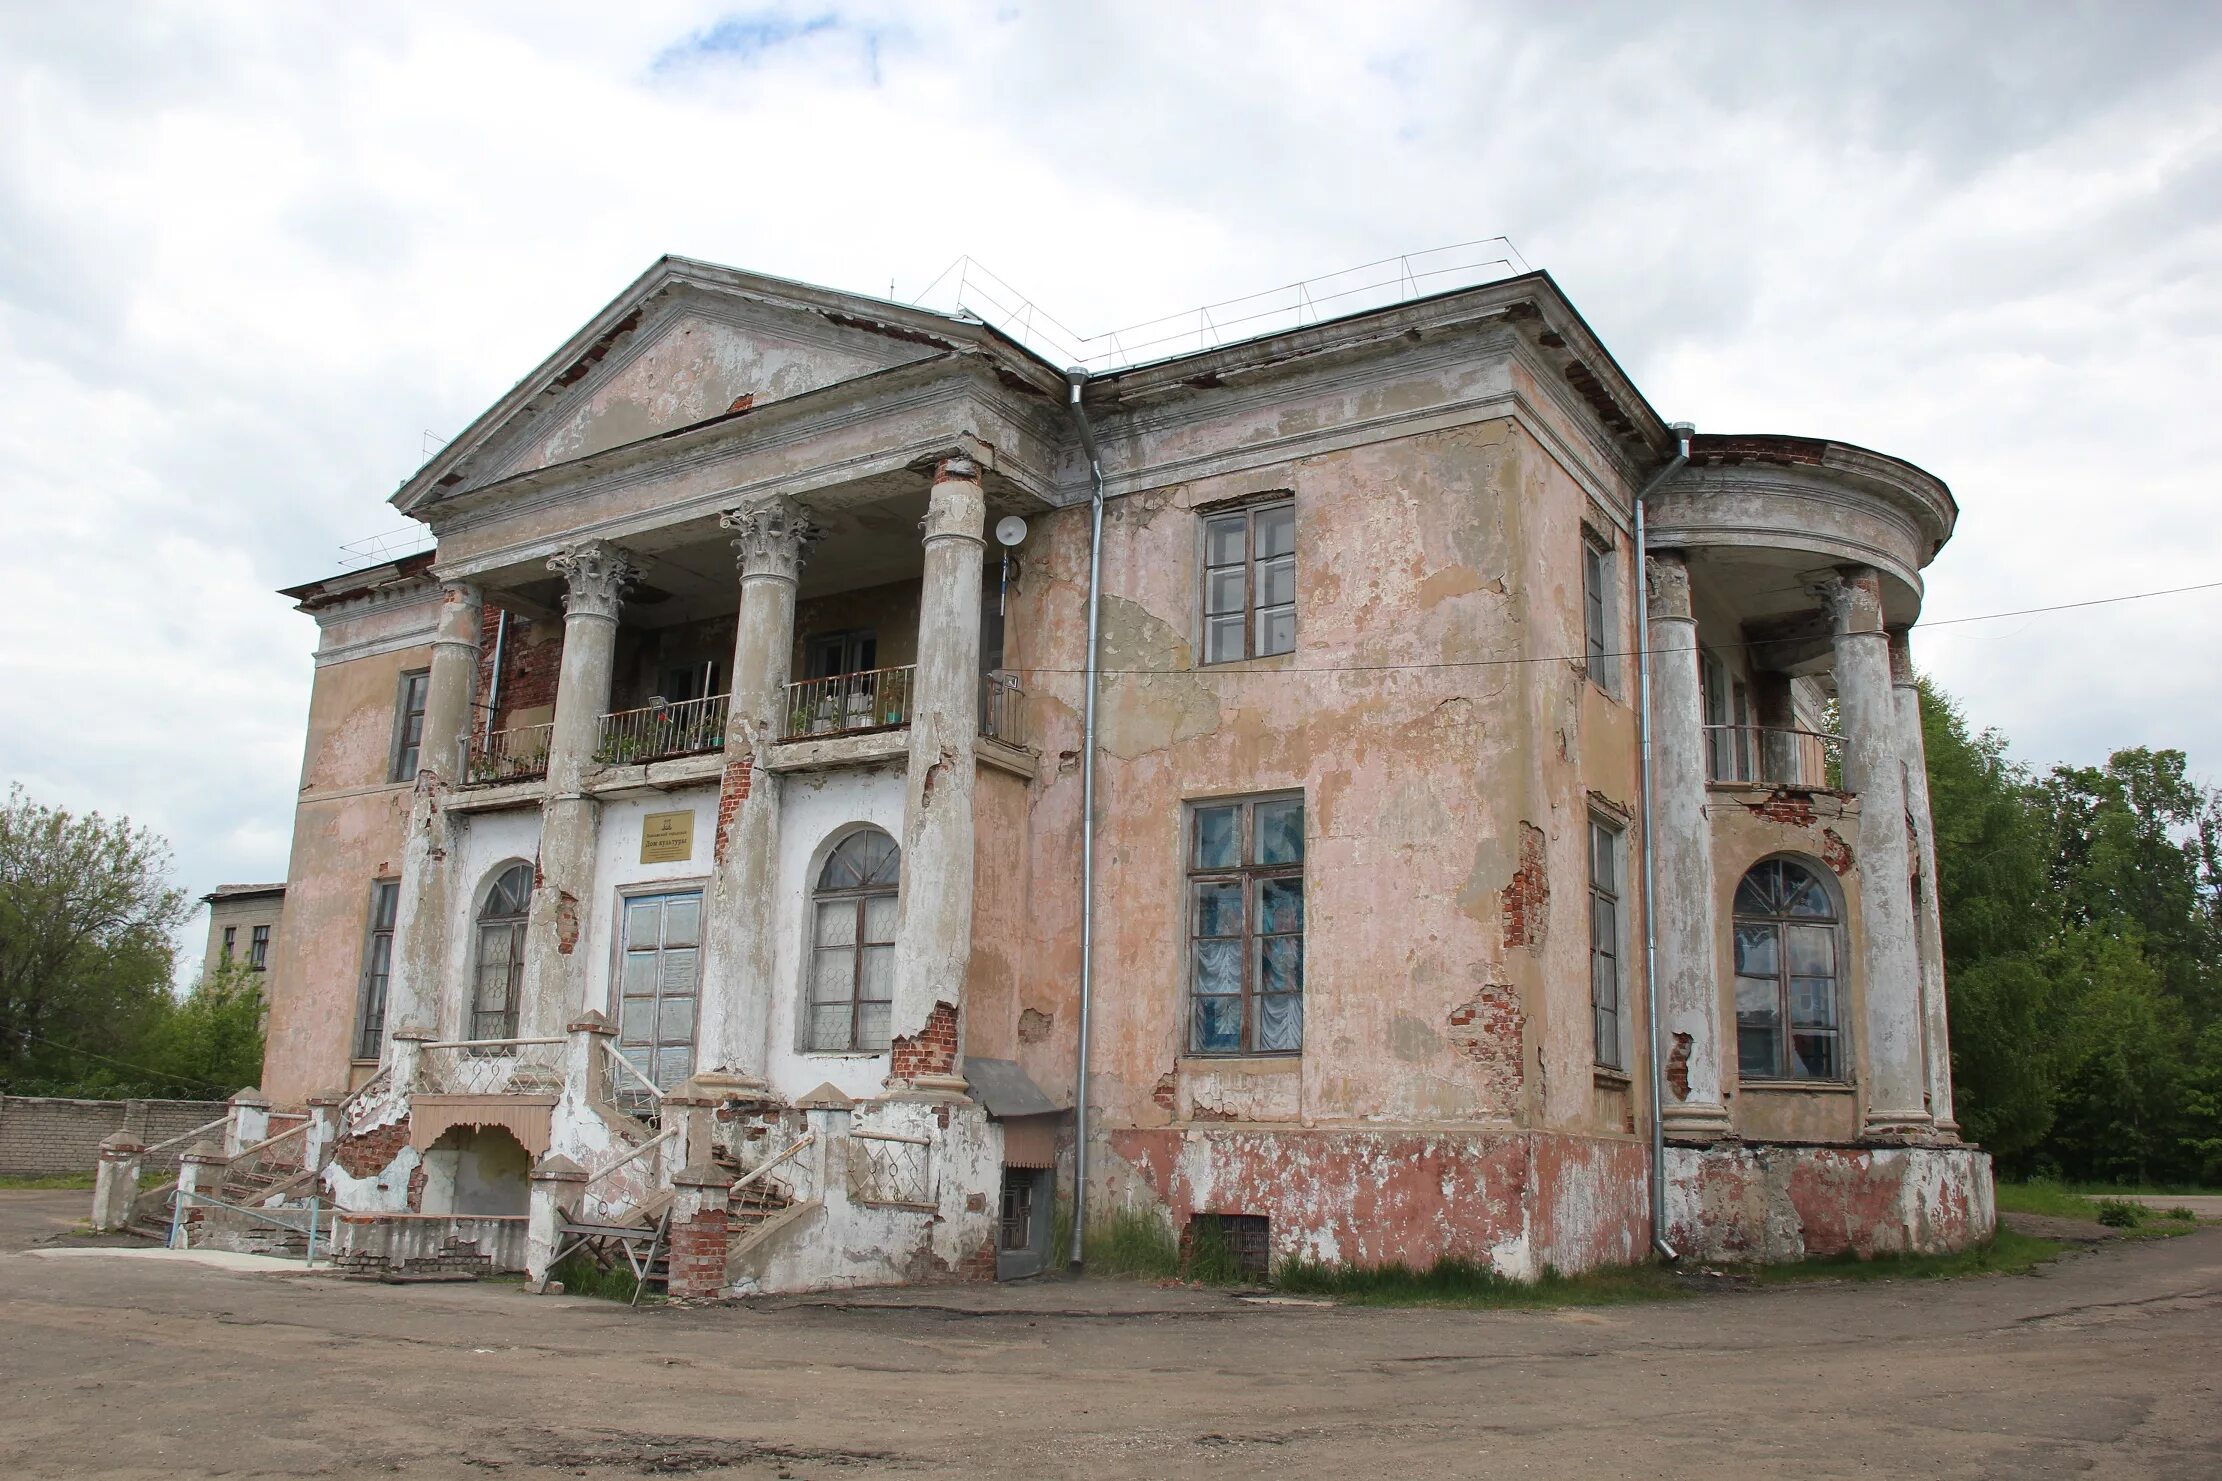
(243,924)
(695,841)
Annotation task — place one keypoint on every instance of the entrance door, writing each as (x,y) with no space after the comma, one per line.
(658,981)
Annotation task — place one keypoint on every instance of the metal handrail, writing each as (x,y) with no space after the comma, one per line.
(187,1136)
(655,1141)
(659,729)
(487,1043)
(633,1070)
(849,704)
(1777,754)
(179,1241)
(516,755)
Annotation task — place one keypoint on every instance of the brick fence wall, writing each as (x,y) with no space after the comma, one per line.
(41,1134)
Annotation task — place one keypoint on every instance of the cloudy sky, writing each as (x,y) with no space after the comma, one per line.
(256,259)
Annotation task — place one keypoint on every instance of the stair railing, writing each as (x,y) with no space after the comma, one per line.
(253,1159)
(155,1206)
(630,1091)
(762,1170)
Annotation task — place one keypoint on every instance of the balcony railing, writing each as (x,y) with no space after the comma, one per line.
(491,1067)
(658,730)
(1774,755)
(509,755)
(1003,709)
(849,704)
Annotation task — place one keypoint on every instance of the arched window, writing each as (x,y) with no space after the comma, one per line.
(499,973)
(1788,1003)
(852,952)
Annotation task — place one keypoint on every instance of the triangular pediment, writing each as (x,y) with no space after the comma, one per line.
(687,344)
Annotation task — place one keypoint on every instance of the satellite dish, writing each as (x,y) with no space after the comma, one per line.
(1009,530)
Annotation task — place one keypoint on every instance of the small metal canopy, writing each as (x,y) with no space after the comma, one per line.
(1001,1086)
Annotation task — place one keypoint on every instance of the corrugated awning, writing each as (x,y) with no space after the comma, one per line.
(1001,1086)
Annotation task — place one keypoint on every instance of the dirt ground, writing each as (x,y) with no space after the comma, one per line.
(137,1365)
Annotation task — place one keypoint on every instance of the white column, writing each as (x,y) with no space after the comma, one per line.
(771,539)
(1689,979)
(933,932)
(1890,967)
(1928,918)
(416,985)
(598,575)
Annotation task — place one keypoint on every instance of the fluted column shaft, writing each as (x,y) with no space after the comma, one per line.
(597,575)
(739,937)
(1874,770)
(1688,984)
(1928,918)
(416,985)
(933,933)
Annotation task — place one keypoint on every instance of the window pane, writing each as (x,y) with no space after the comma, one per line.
(1604,983)
(1803,894)
(1223,540)
(682,920)
(1223,590)
(1276,531)
(1223,639)
(1276,631)
(636,1022)
(673,1066)
(493,946)
(1755,1052)
(1812,950)
(1813,1055)
(640,974)
(385,895)
(1276,582)
(1813,1002)
(1218,838)
(1218,908)
(832,975)
(1280,1022)
(1281,905)
(1757,951)
(876,975)
(879,917)
(1281,964)
(837,923)
(675,1021)
(829,1027)
(872,1025)
(1607,1029)
(1218,968)
(677,977)
(1756,895)
(1280,828)
(1217,1027)
(1604,925)
(1758,1025)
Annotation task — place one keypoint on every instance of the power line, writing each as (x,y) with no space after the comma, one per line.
(1214,671)
(122,1063)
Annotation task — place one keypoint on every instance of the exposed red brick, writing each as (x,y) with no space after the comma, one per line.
(1835,852)
(1785,806)
(566,922)
(373,1151)
(531,661)
(930,1051)
(1491,1030)
(1527,899)
(1167,1093)
(732,792)
(1678,1068)
(697,1256)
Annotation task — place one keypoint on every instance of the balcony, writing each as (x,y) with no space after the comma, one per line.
(849,704)
(518,755)
(659,730)
(1772,755)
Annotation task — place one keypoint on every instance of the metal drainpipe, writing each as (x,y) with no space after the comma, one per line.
(1681,458)
(1076,378)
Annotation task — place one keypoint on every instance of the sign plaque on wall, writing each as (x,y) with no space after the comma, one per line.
(667,838)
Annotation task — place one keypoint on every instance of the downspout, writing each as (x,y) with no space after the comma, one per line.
(1681,458)
(1076,378)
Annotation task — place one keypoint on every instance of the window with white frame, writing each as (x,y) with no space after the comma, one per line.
(1605,975)
(852,951)
(1600,654)
(498,961)
(1246,926)
(657,982)
(1249,582)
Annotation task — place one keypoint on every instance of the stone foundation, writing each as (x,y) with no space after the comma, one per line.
(1780,1202)
(428,1244)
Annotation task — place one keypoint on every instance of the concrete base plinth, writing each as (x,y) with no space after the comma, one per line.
(1777,1202)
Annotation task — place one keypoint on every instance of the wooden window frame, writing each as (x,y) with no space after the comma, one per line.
(1600,658)
(230,947)
(1253,612)
(1606,938)
(258,948)
(481,923)
(375,980)
(410,702)
(1784,1070)
(1249,876)
(861,895)
(621,946)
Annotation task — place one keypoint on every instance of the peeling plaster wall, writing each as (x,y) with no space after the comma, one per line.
(1789,1202)
(618,872)
(481,841)
(348,830)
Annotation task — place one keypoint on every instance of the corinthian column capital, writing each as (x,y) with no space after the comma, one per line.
(1854,599)
(773,536)
(1667,585)
(598,574)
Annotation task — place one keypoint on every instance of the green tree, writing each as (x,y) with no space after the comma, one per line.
(86,916)
(209,1041)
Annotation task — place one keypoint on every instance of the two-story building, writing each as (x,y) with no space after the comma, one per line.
(841,781)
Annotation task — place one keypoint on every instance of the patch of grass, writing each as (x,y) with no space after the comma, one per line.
(2006,1253)
(2120,1213)
(2180,1214)
(1132,1242)
(48,1180)
(2143,1190)
(1474,1285)
(2044,1196)
(582,1277)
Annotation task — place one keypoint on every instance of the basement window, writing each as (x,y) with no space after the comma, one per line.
(1242,1243)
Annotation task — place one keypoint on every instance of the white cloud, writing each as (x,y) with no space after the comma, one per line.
(249,255)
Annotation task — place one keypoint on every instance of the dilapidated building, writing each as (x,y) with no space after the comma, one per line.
(700,840)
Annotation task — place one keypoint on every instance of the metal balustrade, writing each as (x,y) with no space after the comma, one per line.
(1774,755)
(491,1067)
(849,704)
(1003,709)
(660,729)
(517,755)
(885,1167)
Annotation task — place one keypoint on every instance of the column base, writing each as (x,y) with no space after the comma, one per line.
(1696,1122)
(1897,1126)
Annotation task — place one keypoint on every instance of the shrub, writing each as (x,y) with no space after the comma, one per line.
(2120,1213)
